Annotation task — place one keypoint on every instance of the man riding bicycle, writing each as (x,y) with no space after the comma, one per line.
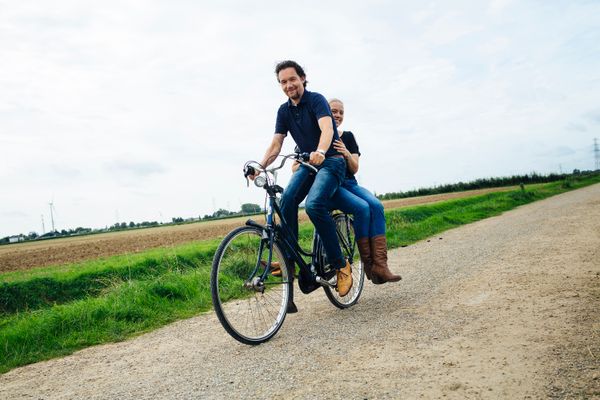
(307,116)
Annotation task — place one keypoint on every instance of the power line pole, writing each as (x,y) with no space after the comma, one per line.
(597,154)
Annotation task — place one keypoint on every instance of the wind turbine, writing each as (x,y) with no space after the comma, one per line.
(51,204)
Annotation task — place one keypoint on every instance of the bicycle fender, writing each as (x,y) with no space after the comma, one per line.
(251,222)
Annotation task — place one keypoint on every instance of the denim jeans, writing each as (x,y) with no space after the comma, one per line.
(369,219)
(318,190)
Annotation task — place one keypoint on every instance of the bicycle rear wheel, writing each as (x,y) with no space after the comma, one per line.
(347,240)
(251,310)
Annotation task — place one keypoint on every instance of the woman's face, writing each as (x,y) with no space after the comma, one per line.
(337,109)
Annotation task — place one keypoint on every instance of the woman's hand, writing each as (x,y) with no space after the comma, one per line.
(341,147)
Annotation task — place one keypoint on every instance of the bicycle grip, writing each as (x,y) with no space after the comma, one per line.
(303,156)
(249,170)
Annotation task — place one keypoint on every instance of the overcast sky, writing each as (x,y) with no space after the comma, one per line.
(147,110)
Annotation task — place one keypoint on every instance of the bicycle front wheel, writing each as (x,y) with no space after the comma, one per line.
(347,240)
(250,308)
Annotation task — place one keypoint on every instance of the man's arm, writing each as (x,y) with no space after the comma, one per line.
(326,126)
(273,150)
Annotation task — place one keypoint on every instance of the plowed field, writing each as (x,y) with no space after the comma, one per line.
(75,249)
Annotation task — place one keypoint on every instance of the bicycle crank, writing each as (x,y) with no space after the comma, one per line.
(255,284)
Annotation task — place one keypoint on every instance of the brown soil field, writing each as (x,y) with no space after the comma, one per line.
(76,249)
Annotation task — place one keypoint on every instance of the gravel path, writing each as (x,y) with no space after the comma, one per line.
(503,308)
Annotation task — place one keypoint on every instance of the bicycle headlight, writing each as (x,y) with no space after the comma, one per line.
(260,181)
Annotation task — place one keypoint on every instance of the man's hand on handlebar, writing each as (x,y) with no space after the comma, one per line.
(251,172)
(316,158)
(254,175)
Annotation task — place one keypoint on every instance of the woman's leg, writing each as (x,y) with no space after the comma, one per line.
(347,202)
(377,241)
(377,222)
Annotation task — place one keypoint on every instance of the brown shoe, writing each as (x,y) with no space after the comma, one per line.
(380,272)
(344,279)
(364,249)
(275,267)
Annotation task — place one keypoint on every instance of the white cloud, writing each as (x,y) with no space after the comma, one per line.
(151,108)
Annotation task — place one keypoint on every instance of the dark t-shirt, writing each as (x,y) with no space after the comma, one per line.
(352,146)
(302,121)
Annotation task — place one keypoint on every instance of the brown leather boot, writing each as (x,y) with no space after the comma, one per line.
(344,279)
(380,272)
(275,267)
(364,249)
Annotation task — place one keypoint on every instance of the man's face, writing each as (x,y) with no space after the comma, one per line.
(291,83)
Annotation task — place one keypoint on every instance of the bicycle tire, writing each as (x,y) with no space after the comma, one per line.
(346,237)
(249,316)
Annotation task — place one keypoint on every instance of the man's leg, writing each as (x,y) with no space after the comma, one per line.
(346,201)
(324,187)
(292,196)
(326,183)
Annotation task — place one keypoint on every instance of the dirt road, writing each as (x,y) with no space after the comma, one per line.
(506,308)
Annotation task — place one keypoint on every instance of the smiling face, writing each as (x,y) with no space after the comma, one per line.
(291,83)
(337,110)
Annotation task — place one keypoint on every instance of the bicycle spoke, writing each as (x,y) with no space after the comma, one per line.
(259,310)
(345,233)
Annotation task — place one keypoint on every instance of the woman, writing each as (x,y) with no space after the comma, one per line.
(369,219)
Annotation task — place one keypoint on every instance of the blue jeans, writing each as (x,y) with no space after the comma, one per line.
(369,219)
(318,190)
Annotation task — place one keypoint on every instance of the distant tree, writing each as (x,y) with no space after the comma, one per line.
(220,213)
(132,224)
(250,208)
(177,220)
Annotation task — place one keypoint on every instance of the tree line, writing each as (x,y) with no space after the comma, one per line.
(246,209)
(483,183)
(250,209)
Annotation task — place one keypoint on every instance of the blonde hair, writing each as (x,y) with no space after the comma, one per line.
(334,100)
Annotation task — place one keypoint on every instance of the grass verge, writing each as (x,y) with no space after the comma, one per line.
(142,292)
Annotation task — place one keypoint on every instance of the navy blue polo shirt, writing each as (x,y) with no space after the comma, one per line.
(302,121)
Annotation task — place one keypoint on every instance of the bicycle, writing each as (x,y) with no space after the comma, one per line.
(249,293)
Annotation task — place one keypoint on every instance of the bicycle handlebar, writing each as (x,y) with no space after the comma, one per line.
(302,158)
(252,167)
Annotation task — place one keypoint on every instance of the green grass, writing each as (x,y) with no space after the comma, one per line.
(122,311)
(46,287)
(51,312)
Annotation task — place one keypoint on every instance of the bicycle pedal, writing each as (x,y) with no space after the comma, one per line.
(332,283)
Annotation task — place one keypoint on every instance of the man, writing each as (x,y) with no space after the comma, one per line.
(306,115)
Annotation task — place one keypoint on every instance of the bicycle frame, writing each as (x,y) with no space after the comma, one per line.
(281,232)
